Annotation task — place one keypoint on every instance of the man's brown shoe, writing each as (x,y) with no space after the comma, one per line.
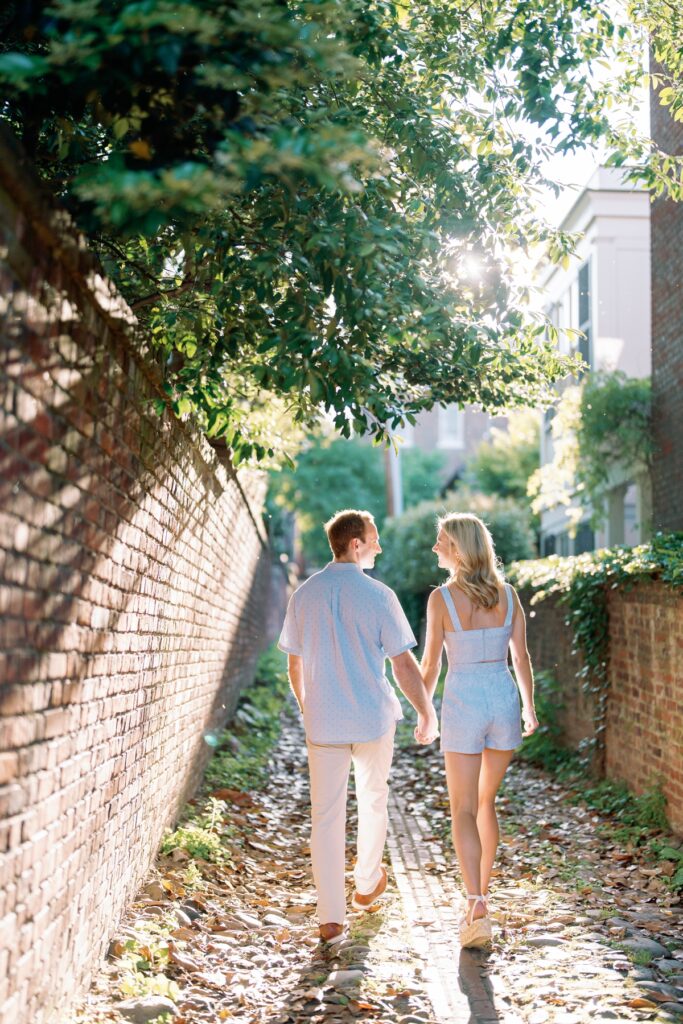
(361,902)
(331,933)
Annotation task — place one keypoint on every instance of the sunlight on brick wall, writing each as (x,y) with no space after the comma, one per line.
(644,736)
(133,591)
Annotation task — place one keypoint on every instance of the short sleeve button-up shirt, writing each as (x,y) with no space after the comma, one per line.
(344,625)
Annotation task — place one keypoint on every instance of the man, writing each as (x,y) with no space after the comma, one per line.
(340,627)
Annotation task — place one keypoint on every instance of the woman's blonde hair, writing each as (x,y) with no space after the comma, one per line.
(477,570)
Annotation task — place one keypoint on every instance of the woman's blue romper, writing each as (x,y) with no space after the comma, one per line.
(481,706)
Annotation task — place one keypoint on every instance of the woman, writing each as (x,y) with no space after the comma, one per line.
(477,616)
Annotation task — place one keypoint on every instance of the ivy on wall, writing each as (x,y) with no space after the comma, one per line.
(582,581)
(601,431)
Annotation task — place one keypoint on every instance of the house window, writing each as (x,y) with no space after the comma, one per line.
(584,540)
(548,417)
(631,525)
(451,428)
(548,544)
(585,324)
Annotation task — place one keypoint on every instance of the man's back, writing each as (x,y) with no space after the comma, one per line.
(344,624)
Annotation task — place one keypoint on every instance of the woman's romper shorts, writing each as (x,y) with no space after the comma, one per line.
(481,706)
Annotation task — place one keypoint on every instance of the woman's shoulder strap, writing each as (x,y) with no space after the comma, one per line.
(510,594)
(450,604)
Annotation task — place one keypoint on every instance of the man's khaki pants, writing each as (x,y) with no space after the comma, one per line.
(329,766)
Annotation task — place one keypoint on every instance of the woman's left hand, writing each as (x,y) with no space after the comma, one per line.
(530,721)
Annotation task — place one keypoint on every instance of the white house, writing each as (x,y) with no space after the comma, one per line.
(605,292)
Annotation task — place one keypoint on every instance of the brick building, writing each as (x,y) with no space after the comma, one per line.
(667,338)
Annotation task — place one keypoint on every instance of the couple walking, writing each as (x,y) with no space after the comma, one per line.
(340,627)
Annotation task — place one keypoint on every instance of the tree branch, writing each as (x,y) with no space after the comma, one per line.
(163,293)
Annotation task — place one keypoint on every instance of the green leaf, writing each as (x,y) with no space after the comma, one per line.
(21,69)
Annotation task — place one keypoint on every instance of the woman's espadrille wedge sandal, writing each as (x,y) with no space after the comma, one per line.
(475,933)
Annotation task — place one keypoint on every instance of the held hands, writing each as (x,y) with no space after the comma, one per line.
(530,721)
(427,728)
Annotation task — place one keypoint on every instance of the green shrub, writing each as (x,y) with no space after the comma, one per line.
(545,747)
(645,812)
(503,464)
(333,474)
(240,760)
(198,842)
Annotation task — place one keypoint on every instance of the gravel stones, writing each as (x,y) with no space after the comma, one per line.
(669,965)
(248,920)
(184,920)
(147,1008)
(342,979)
(252,953)
(643,945)
(544,940)
(661,987)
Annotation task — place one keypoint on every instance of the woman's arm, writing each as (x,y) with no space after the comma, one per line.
(430,666)
(522,665)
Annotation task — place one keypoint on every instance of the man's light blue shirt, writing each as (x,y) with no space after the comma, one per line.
(344,625)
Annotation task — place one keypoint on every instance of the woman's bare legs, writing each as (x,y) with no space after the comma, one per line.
(462,777)
(494,764)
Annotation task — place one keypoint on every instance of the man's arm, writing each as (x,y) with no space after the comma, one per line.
(407,675)
(295,671)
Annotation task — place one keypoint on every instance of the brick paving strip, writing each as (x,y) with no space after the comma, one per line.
(563,915)
(457,990)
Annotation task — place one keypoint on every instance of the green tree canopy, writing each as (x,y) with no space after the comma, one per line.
(293,195)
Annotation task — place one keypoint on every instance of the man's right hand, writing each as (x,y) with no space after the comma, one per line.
(427,728)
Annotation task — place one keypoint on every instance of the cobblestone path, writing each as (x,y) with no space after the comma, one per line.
(585,930)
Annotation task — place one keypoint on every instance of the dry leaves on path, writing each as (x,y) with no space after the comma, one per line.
(587,929)
(237,941)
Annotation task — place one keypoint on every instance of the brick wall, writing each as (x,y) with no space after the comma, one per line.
(550,646)
(667,339)
(133,586)
(644,720)
(644,734)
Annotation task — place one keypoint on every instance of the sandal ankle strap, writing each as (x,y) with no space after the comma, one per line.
(477,899)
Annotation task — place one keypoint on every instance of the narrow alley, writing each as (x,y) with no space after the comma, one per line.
(587,930)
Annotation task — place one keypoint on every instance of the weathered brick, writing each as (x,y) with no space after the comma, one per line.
(9,766)
(644,719)
(133,586)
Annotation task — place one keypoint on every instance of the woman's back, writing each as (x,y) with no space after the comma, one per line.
(467,642)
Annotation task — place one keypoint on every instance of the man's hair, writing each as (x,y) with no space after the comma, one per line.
(344,526)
